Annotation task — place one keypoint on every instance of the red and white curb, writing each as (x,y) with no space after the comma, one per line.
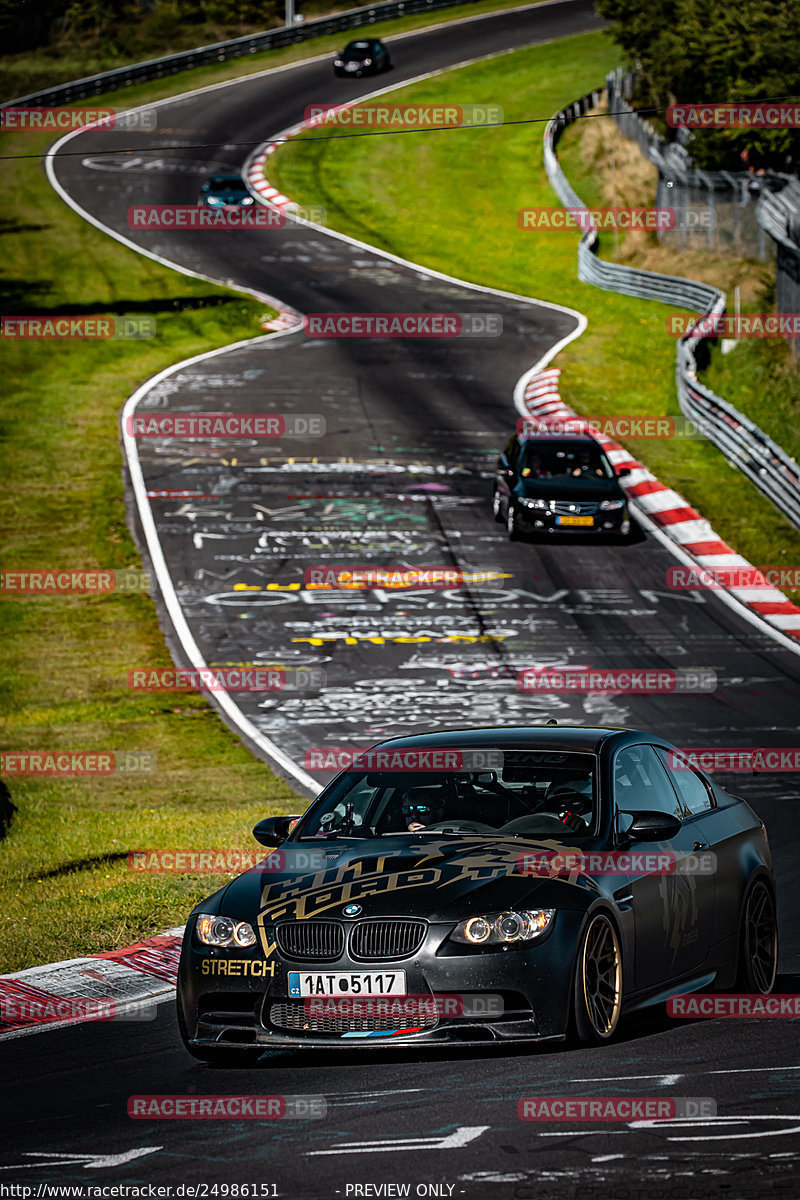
(255,167)
(670,513)
(287,318)
(115,985)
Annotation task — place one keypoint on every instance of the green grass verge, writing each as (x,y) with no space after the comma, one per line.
(761,378)
(64,660)
(449,200)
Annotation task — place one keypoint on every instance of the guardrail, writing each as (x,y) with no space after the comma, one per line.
(172,64)
(779,215)
(745,446)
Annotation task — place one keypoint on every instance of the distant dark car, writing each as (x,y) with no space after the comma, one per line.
(588,873)
(367,56)
(224,190)
(548,484)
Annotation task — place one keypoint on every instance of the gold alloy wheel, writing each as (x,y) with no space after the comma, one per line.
(601,977)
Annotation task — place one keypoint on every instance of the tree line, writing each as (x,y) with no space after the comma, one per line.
(700,51)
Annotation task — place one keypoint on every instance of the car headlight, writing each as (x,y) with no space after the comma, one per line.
(367,62)
(607,505)
(338,62)
(222,931)
(214,200)
(495,928)
(248,200)
(536,503)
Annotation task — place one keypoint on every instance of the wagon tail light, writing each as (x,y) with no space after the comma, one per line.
(494,929)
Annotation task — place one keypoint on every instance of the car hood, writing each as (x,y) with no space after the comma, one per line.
(440,879)
(570,489)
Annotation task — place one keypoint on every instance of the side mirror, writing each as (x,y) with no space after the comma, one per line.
(622,472)
(273,830)
(652,826)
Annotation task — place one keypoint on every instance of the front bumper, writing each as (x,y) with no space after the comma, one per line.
(253,1010)
(542,520)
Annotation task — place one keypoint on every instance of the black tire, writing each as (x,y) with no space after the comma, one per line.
(758,941)
(217,1056)
(511,523)
(597,988)
(497,511)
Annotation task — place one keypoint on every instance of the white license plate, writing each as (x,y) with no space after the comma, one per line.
(351,66)
(347,983)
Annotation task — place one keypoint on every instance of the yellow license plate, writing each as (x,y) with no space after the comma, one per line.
(575,520)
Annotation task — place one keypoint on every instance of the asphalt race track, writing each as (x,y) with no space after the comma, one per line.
(403,475)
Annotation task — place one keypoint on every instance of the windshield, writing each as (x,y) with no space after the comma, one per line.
(229,182)
(357,48)
(582,460)
(535,794)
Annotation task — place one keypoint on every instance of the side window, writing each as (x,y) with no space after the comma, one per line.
(641,783)
(687,783)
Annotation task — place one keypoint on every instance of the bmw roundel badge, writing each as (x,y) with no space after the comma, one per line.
(351,910)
